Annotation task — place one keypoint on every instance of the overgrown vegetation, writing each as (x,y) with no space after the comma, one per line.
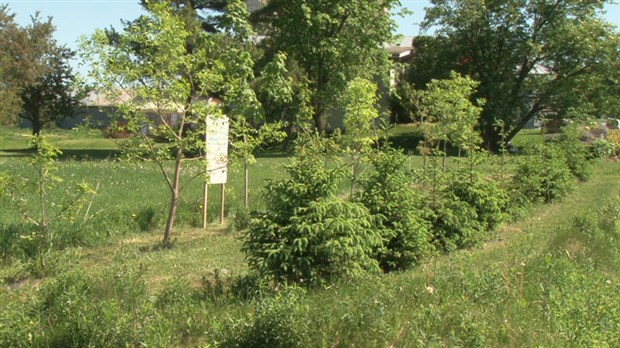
(352,243)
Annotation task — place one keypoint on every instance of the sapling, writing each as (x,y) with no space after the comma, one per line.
(164,72)
(360,101)
(31,197)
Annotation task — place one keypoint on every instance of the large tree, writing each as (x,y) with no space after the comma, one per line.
(331,41)
(9,98)
(36,79)
(532,57)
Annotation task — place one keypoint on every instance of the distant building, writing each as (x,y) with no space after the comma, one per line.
(254,5)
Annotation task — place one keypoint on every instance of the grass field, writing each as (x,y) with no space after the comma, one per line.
(551,279)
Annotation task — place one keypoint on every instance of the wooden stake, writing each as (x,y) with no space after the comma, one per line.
(222,207)
(205,201)
(246,187)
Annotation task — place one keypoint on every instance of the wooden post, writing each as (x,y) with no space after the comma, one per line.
(246,186)
(205,196)
(222,207)
(205,201)
(246,183)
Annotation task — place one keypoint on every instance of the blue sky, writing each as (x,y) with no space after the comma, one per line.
(74,18)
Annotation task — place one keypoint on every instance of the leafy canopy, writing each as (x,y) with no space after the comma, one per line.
(532,58)
(36,81)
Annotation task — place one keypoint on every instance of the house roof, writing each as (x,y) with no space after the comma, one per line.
(401,49)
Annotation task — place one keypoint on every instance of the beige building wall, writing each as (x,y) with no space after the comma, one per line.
(254,5)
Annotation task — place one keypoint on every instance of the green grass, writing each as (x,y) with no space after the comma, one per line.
(539,281)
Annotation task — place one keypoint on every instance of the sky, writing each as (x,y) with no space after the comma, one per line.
(74,18)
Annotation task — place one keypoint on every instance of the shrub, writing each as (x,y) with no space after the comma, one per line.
(387,194)
(84,311)
(146,218)
(455,224)
(308,234)
(280,321)
(602,148)
(486,197)
(576,153)
(543,176)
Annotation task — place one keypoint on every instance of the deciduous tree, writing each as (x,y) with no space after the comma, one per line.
(36,80)
(165,65)
(531,57)
(332,42)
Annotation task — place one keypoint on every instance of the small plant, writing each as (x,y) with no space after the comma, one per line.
(576,153)
(280,321)
(455,224)
(30,198)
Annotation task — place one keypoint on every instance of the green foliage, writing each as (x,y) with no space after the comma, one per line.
(603,148)
(146,219)
(37,81)
(562,54)
(46,221)
(279,321)
(448,106)
(488,199)
(576,152)
(163,72)
(309,235)
(360,99)
(455,224)
(542,175)
(331,43)
(387,193)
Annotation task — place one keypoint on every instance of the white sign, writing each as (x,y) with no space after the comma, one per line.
(217,149)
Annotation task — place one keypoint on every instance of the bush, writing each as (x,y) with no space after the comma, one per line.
(576,153)
(602,148)
(308,234)
(543,176)
(455,224)
(280,321)
(486,197)
(398,212)
(111,311)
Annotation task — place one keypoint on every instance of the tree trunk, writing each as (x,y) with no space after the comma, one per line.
(491,138)
(174,198)
(36,126)
(320,122)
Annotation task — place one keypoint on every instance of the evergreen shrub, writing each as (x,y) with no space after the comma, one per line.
(308,234)
(542,175)
(489,200)
(388,195)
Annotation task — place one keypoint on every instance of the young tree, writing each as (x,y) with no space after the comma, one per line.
(529,56)
(36,78)
(332,42)
(360,100)
(452,114)
(163,70)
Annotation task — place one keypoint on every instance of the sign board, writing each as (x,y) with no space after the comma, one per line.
(217,149)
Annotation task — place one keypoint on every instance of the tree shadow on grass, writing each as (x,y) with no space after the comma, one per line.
(67,154)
